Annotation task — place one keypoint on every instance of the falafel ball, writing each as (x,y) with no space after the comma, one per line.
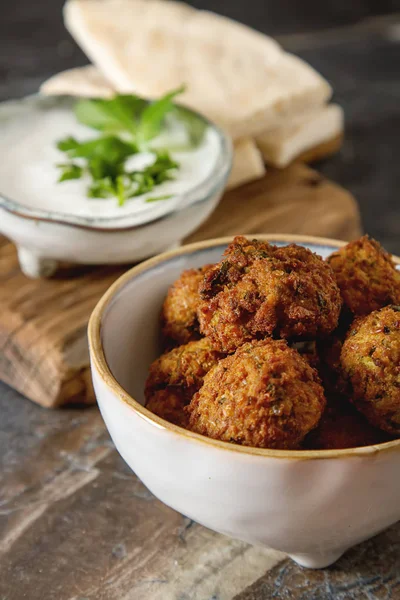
(175,376)
(342,426)
(366,275)
(260,290)
(265,395)
(179,312)
(370,359)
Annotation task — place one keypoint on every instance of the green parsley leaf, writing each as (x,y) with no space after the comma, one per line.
(68,144)
(120,113)
(153,116)
(102,188)
(158,198)
(121,190)
(70,171)
(143,183)
(195,125)
(99,169)
(109,148)
(160,169)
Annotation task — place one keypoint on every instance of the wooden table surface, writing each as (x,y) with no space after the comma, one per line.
(62,485)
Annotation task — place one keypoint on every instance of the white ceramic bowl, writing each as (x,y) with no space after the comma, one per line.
(44,238)
(314,505)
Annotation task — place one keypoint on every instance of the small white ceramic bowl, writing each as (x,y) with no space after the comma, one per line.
(313,505)
(44,238)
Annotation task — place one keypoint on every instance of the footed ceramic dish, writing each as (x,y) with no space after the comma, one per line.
(313,505)
(46,231)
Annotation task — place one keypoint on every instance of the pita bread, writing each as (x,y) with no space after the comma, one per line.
(247,164)
(282,145)
(322,150)
(239,78)
(86,82)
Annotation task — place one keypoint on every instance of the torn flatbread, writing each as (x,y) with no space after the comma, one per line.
(303,134)
(237,77)
(87,82)
(247,164)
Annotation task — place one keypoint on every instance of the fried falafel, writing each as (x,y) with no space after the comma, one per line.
(265,395)
(260,290)
(175,376)
(370,359)
(179,312)
(366,275)
(342,426)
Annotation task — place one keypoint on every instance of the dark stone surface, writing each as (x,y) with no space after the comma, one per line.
(77,524)
(360,55)
(370,571)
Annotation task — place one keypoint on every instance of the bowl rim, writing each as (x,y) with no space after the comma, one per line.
(100,364)
(202,192)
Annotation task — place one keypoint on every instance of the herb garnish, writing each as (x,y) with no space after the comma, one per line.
(127,124)
(158,198)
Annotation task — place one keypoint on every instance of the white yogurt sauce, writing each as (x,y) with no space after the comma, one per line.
(28,173)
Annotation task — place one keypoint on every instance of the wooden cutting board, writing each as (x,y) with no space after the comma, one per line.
(43,347)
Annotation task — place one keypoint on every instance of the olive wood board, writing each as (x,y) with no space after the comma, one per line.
(43,344)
